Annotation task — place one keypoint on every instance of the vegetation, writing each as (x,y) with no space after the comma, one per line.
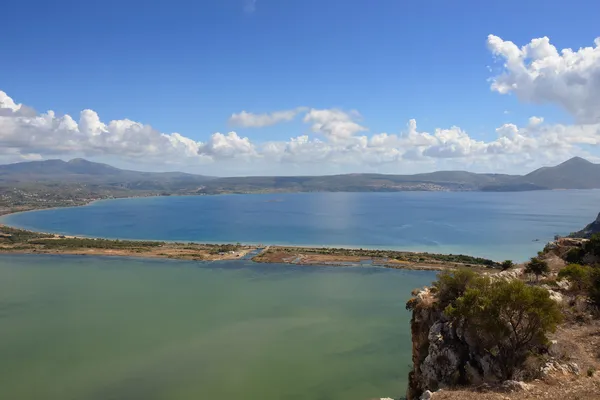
(507,319)
(537,267)
(391,255)
(225,248)
(85,243)
(580,276)
(452,285)
(594,288)
(593,246)
(13,235)
(506,265)
(575,255)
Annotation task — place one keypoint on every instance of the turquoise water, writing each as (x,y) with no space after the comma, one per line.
(493,225)
(89,328)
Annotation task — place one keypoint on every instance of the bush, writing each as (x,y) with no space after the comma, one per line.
(593,246)
(507,319)
(575,256)
(506,265)
(537,267)
(452,284)
(580,276)
(594,288)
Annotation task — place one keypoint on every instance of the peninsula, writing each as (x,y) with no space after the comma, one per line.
(19,241)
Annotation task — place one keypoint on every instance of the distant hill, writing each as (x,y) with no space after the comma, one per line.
(81,171)
(575,173)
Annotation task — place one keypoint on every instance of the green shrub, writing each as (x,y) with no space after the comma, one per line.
(594,288)
(506,265)
(537,267)
(507,319)
(580,276)
(453,284)
(575,255)
(593,246)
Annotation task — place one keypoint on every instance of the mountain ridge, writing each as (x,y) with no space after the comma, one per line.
(575,173)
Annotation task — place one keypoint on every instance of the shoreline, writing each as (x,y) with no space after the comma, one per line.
(4,214)
(17,240)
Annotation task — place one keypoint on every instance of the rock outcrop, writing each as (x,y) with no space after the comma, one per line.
(589,230)
(443,353)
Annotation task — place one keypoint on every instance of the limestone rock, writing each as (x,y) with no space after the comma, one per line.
(426,395)
(557,297)
(515,386)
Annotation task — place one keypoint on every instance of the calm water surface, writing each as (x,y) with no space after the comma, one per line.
(494,225)
(91,328)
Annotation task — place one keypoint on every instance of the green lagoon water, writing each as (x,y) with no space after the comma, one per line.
(113,328)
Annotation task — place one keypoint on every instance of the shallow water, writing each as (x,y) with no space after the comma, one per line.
(90,328)
(494,225)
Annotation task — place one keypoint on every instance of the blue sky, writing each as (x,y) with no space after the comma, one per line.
(186,67)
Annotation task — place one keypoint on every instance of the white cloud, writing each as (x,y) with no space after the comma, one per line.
(340,144)
(539,73)
(227,146)
(337,140)
(250,120)
(533,121)
(46,134)
(334,124)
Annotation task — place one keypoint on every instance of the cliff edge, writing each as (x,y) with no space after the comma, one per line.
(589,230)
(452,361)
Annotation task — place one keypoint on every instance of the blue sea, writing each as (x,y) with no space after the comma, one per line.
(494,225)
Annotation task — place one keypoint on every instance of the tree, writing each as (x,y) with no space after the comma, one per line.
(575,255)
(593,246)
(507,319)
(537,267)
(452,284)
(506,265)
(594,288)
(580,276)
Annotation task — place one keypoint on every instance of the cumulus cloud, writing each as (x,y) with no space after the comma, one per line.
(227,146)
(250,120)
(339,142)
(32,135)
(336,139)
(533,121)
(334,124)
(539,73)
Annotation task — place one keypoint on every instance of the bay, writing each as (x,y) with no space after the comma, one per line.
(91,328)
(493,225)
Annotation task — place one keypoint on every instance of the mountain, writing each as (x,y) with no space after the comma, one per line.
(80,171)
(575,173)
(442,180)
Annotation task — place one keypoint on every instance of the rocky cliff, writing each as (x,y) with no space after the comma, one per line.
(443,353)
(449,364)
(589,230)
